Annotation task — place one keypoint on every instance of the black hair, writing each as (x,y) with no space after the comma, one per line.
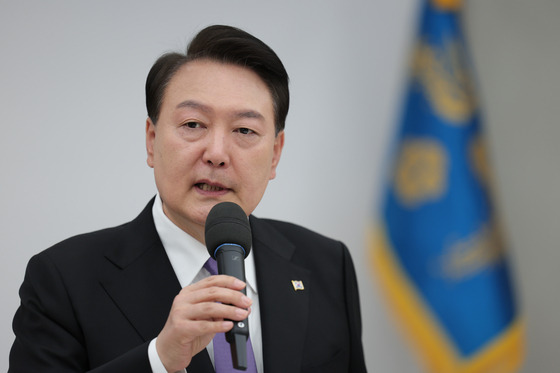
(225,44)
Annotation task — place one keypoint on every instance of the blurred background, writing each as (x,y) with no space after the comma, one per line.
(72,76)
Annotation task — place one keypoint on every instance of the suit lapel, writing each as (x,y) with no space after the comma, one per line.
(142,282)
(284,310)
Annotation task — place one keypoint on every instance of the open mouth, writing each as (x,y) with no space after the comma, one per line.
(209,188)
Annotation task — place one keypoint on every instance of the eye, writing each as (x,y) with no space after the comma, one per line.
(192,125)
(245,131)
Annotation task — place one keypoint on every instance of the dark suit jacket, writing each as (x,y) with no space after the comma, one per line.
(92,303)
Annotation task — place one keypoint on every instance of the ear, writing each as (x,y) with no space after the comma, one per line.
(276,153)
(150,139)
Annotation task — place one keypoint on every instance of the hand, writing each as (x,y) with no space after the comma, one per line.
(198,312)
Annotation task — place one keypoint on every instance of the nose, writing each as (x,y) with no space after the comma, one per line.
(216,152)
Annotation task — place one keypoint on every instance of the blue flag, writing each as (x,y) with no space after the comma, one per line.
(439,252)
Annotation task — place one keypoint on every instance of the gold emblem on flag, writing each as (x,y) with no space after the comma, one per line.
(443,74)
(421,171)
(478,158)
(472,254)
(298,285)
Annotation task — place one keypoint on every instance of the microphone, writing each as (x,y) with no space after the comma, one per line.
(228,240)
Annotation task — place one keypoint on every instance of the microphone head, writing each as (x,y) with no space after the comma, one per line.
(227,224)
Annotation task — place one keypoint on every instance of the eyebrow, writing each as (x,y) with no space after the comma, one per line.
(194,105)
(250,114)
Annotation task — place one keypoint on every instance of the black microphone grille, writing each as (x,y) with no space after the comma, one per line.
(227,224)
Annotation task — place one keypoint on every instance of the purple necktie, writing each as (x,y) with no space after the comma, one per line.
(222,349)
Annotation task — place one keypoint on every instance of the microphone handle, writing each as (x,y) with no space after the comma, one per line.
(230,259)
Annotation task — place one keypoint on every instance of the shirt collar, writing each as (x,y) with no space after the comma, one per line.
(186,254)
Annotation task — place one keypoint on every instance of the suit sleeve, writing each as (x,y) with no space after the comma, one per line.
(48,337)
(357,362)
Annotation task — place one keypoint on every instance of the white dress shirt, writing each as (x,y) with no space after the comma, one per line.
(187,257)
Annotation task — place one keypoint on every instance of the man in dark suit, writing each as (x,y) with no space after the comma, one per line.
(138,297)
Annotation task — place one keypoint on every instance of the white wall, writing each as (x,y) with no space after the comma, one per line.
(72,132)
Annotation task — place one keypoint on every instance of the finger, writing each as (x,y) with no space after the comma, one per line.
(214,294)
(221,295)
(206,327)
(209,311)
(225,281)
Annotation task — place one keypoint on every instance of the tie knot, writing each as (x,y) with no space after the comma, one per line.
(211,266)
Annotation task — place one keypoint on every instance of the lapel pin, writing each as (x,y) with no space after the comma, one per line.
(298,285)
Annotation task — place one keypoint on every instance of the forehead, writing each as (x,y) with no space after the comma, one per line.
(218,86)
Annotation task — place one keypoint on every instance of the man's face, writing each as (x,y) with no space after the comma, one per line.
(214,141)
